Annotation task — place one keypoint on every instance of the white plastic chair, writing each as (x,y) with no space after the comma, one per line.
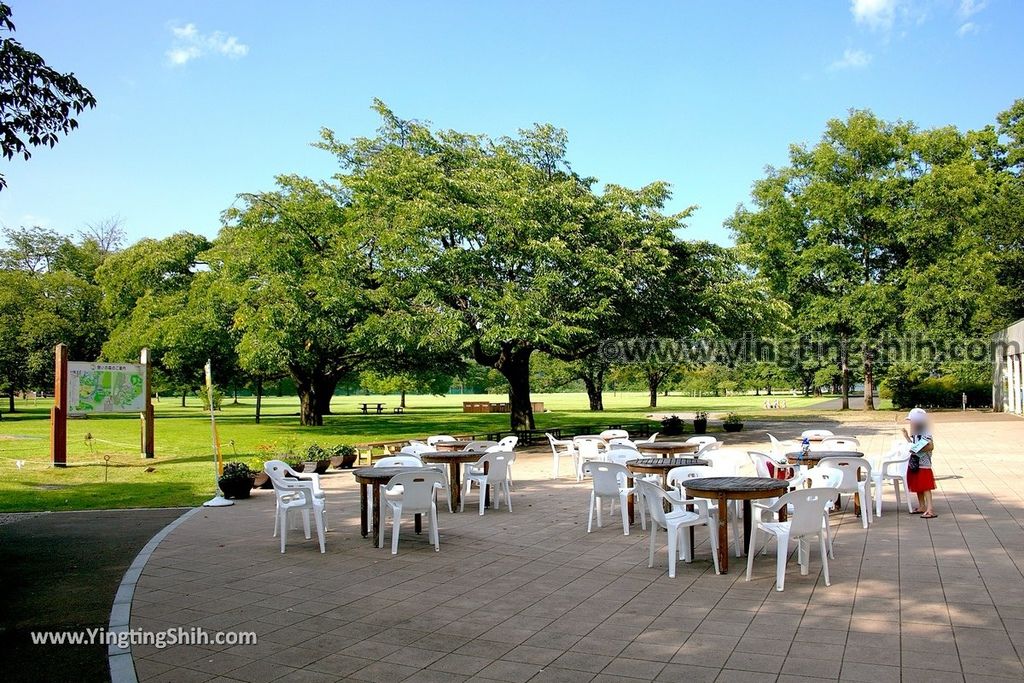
(410,493)
(815,434)
(768,466)
(852,483)
(674,522)
(892,467)
(417,448)
(432,440)
(609,481)
(296,495)
(560,448)
(701,441)
(279,469)
(808,508)
(840,443)
(621,442)
(819,477)
(588,450)
(496,476)
(479,445)
(677,478)
(399,461)
(610,434)
(650,439)
(622,455)
(780,448)
(727,461)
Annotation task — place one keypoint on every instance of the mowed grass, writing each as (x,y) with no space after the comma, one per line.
(107,471)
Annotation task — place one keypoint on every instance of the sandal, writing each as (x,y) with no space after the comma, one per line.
(929,516)
(916,512)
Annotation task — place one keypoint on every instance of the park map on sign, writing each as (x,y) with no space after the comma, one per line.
(102,388)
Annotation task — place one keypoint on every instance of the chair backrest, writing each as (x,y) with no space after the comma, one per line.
(726,460)
(416,448)
(701,440)
(821,477)
(840,443)
(432,440)
(895,462)
(778,448)
(399,461)
(849,468)
(708,447)
(621,455)
(279,469)
(815,433)
(610,434)
(654,497)
(808,509)
(416,488)
(479,445)
(678,476)
(621,441)
(509,443)
(609,477)
(764,464)
(652,437)
(497,464)
(286,484)
(591,448)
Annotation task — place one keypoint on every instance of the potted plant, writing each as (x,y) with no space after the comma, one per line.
(260,478)
(671,425)
(732,423)
(297,463)
(700,422)
(344,456)
(319,456)
(236,481)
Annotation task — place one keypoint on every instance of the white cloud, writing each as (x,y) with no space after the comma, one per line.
(967,29)
(188,44)
(874,13)
(968,8)
(851,59)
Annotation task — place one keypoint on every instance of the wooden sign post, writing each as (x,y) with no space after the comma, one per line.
(59,411)
(146,416)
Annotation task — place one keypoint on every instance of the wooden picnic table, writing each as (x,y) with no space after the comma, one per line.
(667,448)
(455,460)
(724,489)
(375,477)
(366,408)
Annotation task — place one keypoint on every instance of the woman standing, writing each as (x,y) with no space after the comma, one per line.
(921,480)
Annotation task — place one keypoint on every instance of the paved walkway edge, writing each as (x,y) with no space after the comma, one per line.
(122,665)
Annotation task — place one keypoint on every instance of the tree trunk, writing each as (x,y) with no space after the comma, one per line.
(514,365)
(595,393)
(235,391)
(769,389)
(653,382)
(403,399)
(259,399)
(314,399)
(10,399)
(184,393)
(869,379)
(844,372)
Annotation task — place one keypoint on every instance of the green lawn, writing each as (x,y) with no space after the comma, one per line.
(182,472)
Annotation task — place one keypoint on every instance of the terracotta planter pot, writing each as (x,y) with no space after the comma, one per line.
(262,481)
(732,427)
(343,462)
(321,466)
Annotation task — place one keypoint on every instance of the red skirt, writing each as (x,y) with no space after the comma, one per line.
(921,480)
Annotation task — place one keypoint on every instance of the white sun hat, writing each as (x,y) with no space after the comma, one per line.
(916,415)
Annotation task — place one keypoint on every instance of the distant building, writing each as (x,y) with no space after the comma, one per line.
(1007,371)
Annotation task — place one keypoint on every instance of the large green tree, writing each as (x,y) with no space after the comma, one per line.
(496,246)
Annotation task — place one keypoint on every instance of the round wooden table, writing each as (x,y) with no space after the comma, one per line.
(816,456)
(454,460)
(724,489)
(376,477)
(667,448)
(451,445)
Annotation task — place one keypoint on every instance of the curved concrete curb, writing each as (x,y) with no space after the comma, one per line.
(122,665)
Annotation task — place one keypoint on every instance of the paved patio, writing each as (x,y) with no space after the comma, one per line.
(530,596)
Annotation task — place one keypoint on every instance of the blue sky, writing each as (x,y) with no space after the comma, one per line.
(199,101)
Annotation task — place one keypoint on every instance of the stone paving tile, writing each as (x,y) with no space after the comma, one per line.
(530,596)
